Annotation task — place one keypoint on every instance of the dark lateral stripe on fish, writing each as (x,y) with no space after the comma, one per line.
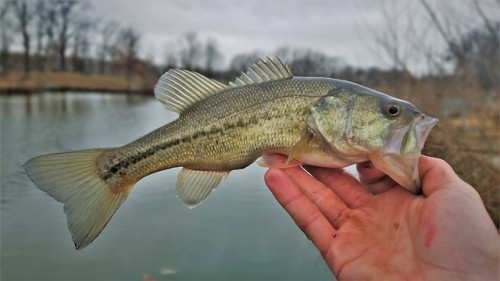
(119,167)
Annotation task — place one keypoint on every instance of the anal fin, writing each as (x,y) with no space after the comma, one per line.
(194,186)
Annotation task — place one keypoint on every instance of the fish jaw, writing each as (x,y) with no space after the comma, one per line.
(399,158)
(403,170)
(409,139)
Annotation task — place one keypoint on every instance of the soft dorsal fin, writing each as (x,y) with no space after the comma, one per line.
(193,186)
(180,89)
(263,71)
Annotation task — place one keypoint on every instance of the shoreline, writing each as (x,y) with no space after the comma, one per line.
(30,91)
(16,83)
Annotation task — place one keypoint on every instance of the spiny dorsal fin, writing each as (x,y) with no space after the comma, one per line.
(263,71)
(180,89)
(193,186)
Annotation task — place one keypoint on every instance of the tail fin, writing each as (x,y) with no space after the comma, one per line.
(73,179)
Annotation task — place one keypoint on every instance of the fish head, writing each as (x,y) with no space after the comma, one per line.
(403,143)
(360,124)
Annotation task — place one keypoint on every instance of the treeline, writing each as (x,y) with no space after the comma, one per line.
(57,35)
(64,36)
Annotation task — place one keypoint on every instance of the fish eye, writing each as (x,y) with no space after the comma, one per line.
(392,110)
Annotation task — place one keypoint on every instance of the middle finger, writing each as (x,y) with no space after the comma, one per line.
(332,207)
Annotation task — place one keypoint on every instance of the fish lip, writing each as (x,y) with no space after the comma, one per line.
(423,128)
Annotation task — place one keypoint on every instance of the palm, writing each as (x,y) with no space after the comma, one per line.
(390,234)
(374,234)
(393,234)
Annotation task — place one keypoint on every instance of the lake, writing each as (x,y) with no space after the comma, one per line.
(240,232)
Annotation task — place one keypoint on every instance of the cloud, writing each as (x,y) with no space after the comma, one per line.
(344,29)
(242,26)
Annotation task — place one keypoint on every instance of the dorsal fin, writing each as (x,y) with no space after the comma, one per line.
(180,89)
(263,71)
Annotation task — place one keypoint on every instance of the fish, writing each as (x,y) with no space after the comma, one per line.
(265,111)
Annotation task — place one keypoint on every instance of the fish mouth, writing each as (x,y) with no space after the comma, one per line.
(399,159)
(410,139)
(423,129)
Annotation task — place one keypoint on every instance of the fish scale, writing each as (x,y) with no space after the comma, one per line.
(230,139)
(315,121)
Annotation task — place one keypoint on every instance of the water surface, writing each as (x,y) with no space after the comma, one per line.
(239,233)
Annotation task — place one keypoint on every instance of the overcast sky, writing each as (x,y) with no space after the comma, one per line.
(337,27)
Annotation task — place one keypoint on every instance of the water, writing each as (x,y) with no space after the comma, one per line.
(240,232)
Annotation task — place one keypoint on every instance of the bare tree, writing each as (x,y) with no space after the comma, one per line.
(108,32)
(444,29)
(480,57)
(5,37)
(24,15)
(50,52)
(394,40)
(472,45)
(212,55)
(194,53)
(63,15)
(170,58)
(306,62)
(81,43)
(487,22)
(191,52)
(406,40)
(42,21)
(240,62)
(127,49)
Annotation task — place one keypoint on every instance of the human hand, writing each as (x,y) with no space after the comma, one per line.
(390,233)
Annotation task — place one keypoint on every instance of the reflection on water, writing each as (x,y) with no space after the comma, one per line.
(47,123)
(239,233)
(60,104)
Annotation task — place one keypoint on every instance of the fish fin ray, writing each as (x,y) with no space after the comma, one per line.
(299,148)
(276,160)
(89,202)
(263,71)
(194,186)
(179,89)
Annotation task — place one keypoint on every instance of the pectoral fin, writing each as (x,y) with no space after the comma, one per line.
(276,160)
(194,186)
(281,161)
(299,148)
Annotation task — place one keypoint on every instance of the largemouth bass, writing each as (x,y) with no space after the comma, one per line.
(316,121)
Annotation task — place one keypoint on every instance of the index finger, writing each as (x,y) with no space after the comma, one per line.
(344,185)
(303,211)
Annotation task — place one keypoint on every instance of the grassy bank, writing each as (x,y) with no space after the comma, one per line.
(17,82)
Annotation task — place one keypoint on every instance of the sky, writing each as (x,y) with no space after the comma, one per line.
(345,29)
